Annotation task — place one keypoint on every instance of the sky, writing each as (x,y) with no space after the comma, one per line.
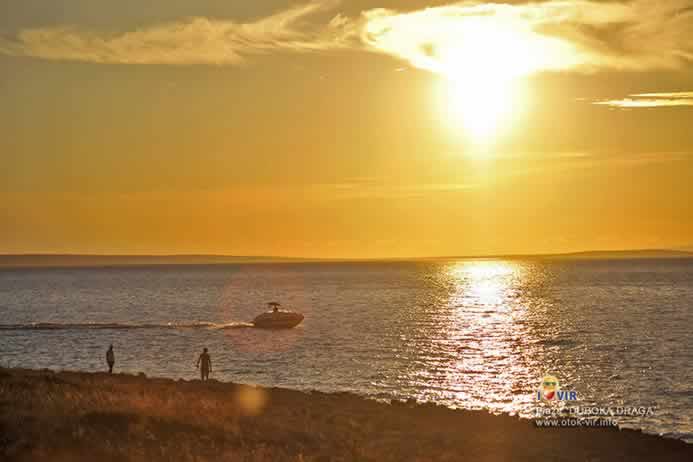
(353,129)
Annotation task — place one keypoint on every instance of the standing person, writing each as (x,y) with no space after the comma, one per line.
(110,359)
(204,362)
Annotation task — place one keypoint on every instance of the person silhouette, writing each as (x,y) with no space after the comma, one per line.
(110,359)
(204,362)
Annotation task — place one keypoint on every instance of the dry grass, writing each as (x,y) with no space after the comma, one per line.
(100,417)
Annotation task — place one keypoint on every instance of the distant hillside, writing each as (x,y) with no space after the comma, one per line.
(68,260)
(587,255)
(646,253)
(118,260)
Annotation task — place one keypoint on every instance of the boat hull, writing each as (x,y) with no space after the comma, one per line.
(278,320)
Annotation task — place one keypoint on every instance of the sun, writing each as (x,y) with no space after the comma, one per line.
(483,53)
(483,67)
(481,107)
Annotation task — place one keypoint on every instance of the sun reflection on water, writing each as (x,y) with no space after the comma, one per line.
(484,333)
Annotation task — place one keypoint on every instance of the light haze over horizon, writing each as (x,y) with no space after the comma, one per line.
(362,129)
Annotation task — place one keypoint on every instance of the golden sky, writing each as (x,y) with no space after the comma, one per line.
(345,129)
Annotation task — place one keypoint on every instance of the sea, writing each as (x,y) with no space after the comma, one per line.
(463,333)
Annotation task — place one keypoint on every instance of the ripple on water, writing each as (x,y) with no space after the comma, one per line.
(468,334)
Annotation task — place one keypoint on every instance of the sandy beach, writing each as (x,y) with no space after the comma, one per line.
(72,416)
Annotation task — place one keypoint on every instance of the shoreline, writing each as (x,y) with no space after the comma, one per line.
(74,416)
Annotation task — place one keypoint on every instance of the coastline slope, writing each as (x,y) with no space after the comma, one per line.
(73,416)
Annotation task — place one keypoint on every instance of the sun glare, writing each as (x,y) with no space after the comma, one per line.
(483,65)
(481,107)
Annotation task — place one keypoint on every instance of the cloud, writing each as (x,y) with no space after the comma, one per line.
(191,41)
(651,100)
(522,38)
(555,164)
(560,35)
(378,188)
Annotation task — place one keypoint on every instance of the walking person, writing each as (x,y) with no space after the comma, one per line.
(110,359)
(204,362)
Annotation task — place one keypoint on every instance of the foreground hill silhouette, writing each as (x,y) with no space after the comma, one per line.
(69,416)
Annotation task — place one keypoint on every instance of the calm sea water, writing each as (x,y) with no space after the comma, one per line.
(467,334)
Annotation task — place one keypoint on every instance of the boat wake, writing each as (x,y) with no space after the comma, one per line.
(121,325)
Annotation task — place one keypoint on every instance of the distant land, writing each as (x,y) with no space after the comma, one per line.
(77,260)
(58,260)
(647,253)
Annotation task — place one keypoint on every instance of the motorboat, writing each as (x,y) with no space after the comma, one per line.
(277,319)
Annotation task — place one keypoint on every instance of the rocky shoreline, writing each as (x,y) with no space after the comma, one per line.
(75,416)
